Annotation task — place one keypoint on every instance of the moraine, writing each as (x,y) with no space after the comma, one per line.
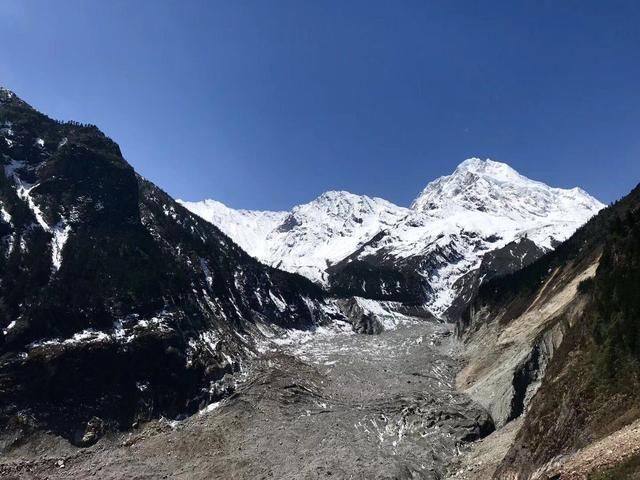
(325,404)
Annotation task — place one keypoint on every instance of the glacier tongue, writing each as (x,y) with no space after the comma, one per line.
(482,206)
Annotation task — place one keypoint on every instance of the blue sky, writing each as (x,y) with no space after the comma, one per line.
(265,104)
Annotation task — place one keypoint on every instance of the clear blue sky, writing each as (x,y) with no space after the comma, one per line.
(265,104)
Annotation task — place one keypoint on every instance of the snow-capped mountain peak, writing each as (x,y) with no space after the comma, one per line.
(498,170)
(496,188)
(344,209)
(370,247)
(311,236)
(482,206)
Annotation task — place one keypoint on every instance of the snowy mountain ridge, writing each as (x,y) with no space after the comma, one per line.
(309,237)
(248,228)
(481,207)
(496,188)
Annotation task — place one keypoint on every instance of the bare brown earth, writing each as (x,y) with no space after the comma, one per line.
(604,454)
(495,351)
(327,405)
(483,457)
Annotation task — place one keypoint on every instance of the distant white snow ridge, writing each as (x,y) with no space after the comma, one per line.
(309,237)
(480,199)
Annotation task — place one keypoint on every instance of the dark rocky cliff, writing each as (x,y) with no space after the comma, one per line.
(116,303)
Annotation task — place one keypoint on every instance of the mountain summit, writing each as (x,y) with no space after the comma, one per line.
(496,188)
(311,236)
(358,245)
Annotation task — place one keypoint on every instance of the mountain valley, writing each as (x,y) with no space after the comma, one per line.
(487,331)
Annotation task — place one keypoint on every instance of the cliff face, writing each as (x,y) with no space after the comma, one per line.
(552,352)
(508,355)
(116,303)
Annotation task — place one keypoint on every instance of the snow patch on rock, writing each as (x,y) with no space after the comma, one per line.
(60,234)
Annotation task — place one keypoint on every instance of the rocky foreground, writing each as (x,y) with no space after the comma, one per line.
(328,404)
